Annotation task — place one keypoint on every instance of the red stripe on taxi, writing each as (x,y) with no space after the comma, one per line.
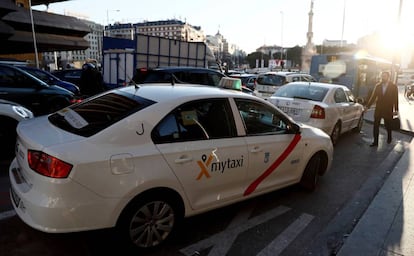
(252,187)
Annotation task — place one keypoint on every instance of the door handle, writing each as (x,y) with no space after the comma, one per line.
(256,149)
(182,160)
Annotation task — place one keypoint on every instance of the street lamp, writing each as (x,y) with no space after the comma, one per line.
(107,30)
(343,24)
(34,34)
(107,14)
(281,38)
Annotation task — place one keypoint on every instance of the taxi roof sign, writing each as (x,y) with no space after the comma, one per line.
(231,83)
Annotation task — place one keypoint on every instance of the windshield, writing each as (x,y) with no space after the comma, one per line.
(91,116)
(299,91)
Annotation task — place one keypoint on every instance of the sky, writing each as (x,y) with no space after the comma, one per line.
(252,24)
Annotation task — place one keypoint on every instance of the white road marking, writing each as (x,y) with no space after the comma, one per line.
(277,246)
(223,241)
(8,214)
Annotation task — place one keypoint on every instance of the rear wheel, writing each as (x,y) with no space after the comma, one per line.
(149,221)
(310,175)
(336,133)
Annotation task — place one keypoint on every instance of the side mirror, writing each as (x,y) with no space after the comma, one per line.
(293,128)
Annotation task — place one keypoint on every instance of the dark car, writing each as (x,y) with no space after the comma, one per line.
(51,79)
(21,87)
(69,75)
(192,75)
(248,80)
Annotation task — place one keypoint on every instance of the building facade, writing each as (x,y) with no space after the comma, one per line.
(171,29)
(52,32)
(64,59)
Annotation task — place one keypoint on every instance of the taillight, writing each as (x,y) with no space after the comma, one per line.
(75,100)
(47,165)
(318,112)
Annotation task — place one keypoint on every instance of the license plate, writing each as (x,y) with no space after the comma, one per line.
(15,197)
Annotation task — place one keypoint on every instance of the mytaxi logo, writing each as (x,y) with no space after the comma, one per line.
(204,164)
(207,166)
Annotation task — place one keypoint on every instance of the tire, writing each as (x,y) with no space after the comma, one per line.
(310,175)
(336,132)
(149,221)
(358,128)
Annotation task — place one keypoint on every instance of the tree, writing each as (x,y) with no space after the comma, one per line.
(252,57)
(294,55)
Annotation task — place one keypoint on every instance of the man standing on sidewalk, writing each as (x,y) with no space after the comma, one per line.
(385,97)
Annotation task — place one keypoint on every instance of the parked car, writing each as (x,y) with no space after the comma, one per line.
(180,75)
(19,86)
(11,114)
(143,157)
(70,75)
(330,107)
(51,79)
(268,83)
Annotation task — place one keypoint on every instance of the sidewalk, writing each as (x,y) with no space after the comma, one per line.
(387,226)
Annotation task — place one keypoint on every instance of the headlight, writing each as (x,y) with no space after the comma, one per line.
(22,111)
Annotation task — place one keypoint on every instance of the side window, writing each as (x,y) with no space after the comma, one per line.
(196,78)
(12,78)
(260,119)
(340,96)
(295,78)
(198,120)
(6,77)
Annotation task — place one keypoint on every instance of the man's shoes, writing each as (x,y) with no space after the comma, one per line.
(389,140)
(374,145)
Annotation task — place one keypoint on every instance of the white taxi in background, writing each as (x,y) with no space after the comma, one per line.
(141,158)
(330,107)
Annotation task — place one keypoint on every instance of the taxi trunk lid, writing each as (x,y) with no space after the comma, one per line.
(39,133)
(299,109)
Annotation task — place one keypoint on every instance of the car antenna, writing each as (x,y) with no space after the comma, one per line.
(174,79)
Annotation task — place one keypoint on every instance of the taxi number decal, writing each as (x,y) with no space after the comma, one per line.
(252,187)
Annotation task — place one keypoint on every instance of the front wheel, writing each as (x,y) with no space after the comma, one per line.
(149,221)
(358,128)
(310,175)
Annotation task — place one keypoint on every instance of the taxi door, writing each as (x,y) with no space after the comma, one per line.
(199,142)
(347,110)
(274,152)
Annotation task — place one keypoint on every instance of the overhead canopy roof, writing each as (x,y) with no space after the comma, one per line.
(39,2)
(53,32)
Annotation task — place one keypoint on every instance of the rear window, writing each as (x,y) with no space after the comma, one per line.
(298,91)
(271,79)
(91,116)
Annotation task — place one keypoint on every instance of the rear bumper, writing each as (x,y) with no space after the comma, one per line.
(55,207)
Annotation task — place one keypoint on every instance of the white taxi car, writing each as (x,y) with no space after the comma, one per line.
(269,82)
(141,158)
(330,107)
